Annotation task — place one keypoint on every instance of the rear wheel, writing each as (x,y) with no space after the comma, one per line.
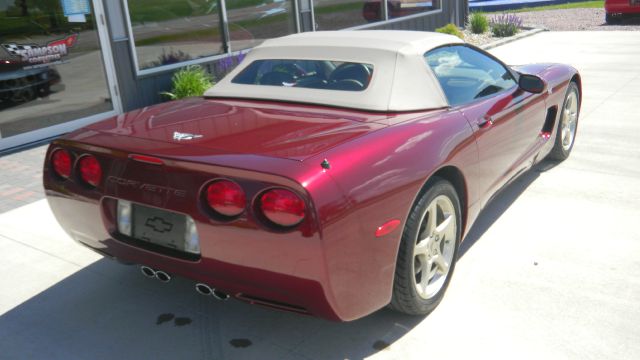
(428,250)
(568,124)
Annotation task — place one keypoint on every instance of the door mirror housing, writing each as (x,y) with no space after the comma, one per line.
(532,83)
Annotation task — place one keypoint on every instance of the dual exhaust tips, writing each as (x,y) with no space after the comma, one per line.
(206,290)
(157,274)
(201,288)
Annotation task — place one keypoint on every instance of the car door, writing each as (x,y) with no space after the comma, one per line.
(506,120)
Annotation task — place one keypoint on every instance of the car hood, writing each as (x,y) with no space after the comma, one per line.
(532,69)
(281,130)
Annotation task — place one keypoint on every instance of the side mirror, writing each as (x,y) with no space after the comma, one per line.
(532,83)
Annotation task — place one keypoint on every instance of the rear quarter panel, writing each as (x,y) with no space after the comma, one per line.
(380,175)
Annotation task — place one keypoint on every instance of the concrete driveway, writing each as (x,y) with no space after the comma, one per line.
(550,271)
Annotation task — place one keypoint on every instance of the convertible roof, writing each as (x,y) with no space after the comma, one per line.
(401,79)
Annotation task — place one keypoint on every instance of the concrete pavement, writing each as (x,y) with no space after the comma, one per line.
(550,270)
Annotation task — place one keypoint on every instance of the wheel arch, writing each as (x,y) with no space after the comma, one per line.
(453,175)
(578,80)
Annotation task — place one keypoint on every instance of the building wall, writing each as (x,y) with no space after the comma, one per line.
(143,90)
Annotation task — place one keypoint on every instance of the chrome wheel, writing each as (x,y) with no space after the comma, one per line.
(569,120)
(434,247)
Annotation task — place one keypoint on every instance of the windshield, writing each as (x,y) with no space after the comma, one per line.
(314,74)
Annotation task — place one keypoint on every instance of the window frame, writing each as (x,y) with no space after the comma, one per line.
(388,20)
(226,41)
(514,74)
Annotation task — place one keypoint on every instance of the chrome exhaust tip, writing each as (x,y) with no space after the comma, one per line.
(220,295)
(203,289)
(147,271)
(163,276)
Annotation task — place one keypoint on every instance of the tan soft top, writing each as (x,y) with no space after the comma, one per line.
(401,80)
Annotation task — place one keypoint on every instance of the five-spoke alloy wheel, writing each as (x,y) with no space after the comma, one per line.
(567,125)
(428,249)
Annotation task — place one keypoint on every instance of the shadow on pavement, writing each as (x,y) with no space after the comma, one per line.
(108,310)
(501,202)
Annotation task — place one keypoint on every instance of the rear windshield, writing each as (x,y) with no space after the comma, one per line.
(314,74)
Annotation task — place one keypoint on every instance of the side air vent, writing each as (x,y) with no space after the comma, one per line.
(549,122)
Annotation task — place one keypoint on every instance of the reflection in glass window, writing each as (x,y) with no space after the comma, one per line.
(399,8)
(340,14)
(466,74)
(312,74)
(51,69)
(253,21)
(172,31)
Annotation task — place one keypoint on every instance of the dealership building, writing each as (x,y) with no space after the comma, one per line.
(67,63)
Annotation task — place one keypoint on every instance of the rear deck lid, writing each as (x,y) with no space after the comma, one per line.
(273,129)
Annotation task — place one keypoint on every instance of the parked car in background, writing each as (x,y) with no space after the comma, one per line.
(330,173)
(19,85)
(618,10)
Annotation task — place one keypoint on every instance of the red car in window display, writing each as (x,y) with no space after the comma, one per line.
(371,10)
(330,174)
(618,10)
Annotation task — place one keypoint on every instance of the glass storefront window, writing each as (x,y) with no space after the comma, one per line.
(253,21)
(172,31)
(341,14)
(399,8)
(51,67)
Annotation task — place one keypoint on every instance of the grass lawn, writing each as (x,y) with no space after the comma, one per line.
(599,4)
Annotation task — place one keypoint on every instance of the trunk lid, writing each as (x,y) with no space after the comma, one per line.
(281,130)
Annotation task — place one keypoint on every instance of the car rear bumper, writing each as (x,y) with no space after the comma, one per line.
(283,276)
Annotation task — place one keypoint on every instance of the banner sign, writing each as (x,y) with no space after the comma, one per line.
(34,55)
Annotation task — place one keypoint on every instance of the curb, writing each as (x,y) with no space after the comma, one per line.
(519,36)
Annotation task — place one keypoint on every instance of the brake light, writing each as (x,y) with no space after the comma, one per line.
(90,170)
(282,207)
(226,197)
(61,161)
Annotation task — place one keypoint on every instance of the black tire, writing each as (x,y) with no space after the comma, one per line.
(612,19)
(406,298)
(560,152)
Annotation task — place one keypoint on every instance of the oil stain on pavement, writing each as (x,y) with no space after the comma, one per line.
(177,321)
(240,343)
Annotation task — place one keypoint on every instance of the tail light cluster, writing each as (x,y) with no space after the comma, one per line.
(88,168)
(280,207)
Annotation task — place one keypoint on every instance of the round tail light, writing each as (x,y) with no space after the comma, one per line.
(61,161)
(226,198)
(90,170)
(282,207)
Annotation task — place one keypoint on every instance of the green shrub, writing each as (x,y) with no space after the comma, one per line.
(192,80)
(505,25)
(451,29)
(479,23)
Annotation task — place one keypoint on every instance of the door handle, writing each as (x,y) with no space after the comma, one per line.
(486,122)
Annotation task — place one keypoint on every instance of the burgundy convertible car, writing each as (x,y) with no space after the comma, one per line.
(331,173)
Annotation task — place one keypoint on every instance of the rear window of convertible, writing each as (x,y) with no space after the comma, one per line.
(313,74)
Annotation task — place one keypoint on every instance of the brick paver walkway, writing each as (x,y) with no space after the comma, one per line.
(21,178)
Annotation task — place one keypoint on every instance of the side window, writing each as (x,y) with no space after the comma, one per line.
(466,74)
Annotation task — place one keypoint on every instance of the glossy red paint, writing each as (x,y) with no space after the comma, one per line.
(622,7)
(332,264)
(388,227)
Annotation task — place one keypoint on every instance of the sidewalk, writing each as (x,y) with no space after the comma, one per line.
(21,178)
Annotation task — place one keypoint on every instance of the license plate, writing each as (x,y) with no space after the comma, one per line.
(159,227)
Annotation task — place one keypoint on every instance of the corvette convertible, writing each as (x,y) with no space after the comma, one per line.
(329,174)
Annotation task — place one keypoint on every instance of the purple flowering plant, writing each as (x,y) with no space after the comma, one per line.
(505,25)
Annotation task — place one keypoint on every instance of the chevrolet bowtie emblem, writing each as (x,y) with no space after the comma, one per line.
(158,224)
(185,136)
